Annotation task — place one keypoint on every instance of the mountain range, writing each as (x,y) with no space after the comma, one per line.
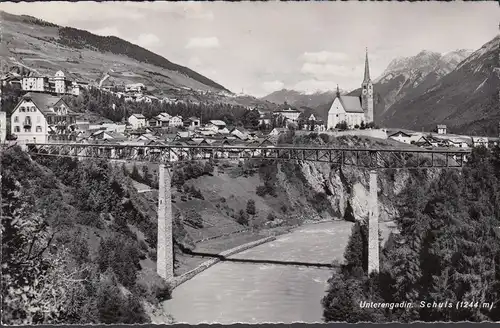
(466,99)
(459,88)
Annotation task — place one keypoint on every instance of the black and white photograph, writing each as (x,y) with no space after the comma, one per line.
(249,162)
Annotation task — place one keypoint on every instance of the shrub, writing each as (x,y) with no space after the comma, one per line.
(251,210)
(242,218)
(271,216)
(261,191)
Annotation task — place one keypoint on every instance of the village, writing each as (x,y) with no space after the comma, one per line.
(42,116)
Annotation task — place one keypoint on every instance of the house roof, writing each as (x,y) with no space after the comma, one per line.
(44,102)
(398,132)
(139,116)
(218,122)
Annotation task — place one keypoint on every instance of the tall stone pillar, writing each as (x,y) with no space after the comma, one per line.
(164,248)
(373,243)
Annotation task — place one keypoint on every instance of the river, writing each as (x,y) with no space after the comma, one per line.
(232,292)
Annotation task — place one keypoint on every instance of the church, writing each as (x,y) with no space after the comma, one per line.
(353,109)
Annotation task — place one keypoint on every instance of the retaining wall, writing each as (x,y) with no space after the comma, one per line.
(176,281)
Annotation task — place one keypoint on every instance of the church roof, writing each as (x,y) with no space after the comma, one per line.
(351,104)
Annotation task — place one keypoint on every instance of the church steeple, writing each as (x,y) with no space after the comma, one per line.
(338,91)
(367,68)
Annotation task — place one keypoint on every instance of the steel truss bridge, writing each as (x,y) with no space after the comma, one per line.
(381,158)
(167,155)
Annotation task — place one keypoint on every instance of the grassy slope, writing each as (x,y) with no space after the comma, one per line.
(34,46)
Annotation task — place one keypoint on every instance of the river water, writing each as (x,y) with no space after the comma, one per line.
(232,292)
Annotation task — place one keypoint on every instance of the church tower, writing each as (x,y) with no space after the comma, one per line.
(367,93)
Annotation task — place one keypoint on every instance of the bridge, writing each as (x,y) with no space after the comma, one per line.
(372,159)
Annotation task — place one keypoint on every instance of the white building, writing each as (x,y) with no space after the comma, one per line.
(137,121)
(441,129)
(35,83)
(135,87)
(175,121)
(289,113)
(38,116)
(60,82)
(3,126)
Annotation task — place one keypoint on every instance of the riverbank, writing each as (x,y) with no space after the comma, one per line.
(187,263)
(176,281)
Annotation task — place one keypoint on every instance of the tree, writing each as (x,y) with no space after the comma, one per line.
(349,213)
(342,126)
(251,207)
(242,218)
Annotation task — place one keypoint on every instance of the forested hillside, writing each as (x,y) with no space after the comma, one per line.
(101,103)
(448,250)
(69,250)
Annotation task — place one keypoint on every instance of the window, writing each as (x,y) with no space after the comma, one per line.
(23,109)
(38,128)
(16,119)
(27,120)
(364,86)
(17,129)
(33,109)
(27,129)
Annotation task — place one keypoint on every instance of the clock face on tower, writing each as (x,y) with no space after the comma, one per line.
(364,91)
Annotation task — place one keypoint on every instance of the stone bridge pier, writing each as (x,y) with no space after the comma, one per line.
(164,248)
(373,242)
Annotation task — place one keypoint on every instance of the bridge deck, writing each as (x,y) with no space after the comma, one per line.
(374,158)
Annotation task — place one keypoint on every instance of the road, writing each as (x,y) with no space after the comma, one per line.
(232,292)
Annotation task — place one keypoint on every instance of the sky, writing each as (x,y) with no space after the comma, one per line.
(261,47)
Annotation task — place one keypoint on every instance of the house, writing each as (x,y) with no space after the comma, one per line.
(137,121)
(480,142)
(143,99)
(288,112)
(163,119)
(40,117)
(175,121)
(441,129)
(265,119)
(192,122)
(311,120)
(82,125)
(218,123)
(135,87)
(3,126)
(239,133)
(60,84)
(35,83)
(277,131)
(75,89)
(154,122)
(401,137)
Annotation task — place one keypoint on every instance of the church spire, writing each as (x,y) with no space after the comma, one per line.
(367,68)
(338,93)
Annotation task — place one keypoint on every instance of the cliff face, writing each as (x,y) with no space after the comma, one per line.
(348,184)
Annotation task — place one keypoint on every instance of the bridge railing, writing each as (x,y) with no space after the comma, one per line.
(359,157)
